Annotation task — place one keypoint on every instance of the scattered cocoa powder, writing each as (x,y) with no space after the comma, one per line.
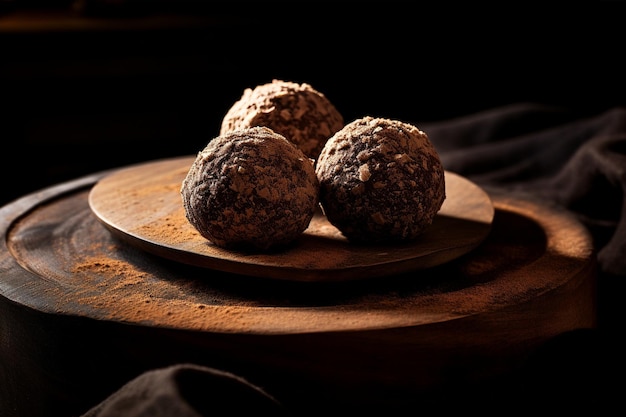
(172,228)
(124,292)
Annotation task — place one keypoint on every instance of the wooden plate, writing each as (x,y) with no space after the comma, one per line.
(141,204)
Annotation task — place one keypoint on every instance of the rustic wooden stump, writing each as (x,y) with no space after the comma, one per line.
(84,309)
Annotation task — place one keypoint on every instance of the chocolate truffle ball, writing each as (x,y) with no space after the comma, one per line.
(380,180)
(250,189)
(297,111)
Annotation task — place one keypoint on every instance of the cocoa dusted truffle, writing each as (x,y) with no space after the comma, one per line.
(380,180)
(250,189)
(297,111)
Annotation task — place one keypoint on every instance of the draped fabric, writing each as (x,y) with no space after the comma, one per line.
(578,163)
(187,390)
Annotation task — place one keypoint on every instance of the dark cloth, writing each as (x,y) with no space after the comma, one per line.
(187,390)
(575,161)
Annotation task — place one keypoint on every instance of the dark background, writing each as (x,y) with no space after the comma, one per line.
(92,85)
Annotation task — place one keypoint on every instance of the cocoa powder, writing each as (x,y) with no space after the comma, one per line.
(124,292)
(172,228)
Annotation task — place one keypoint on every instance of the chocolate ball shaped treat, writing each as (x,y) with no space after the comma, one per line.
(380,180)
(297,111)
(250,189)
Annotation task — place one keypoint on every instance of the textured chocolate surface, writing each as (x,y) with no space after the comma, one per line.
(297,111)
(380,180)
(250,189)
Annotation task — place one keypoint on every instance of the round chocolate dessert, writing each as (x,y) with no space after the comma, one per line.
(297,111)
(250,189)
(380,180)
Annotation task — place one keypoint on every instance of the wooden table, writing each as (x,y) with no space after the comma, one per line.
(82,312)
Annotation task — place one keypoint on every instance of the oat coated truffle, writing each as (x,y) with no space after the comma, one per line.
(297,111)
(381,180)
(250,189)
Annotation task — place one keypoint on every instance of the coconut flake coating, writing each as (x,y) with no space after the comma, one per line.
(250,189)
(380,180)
(297,111)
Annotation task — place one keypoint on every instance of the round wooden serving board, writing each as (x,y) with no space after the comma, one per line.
(142,204)
(83,310)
